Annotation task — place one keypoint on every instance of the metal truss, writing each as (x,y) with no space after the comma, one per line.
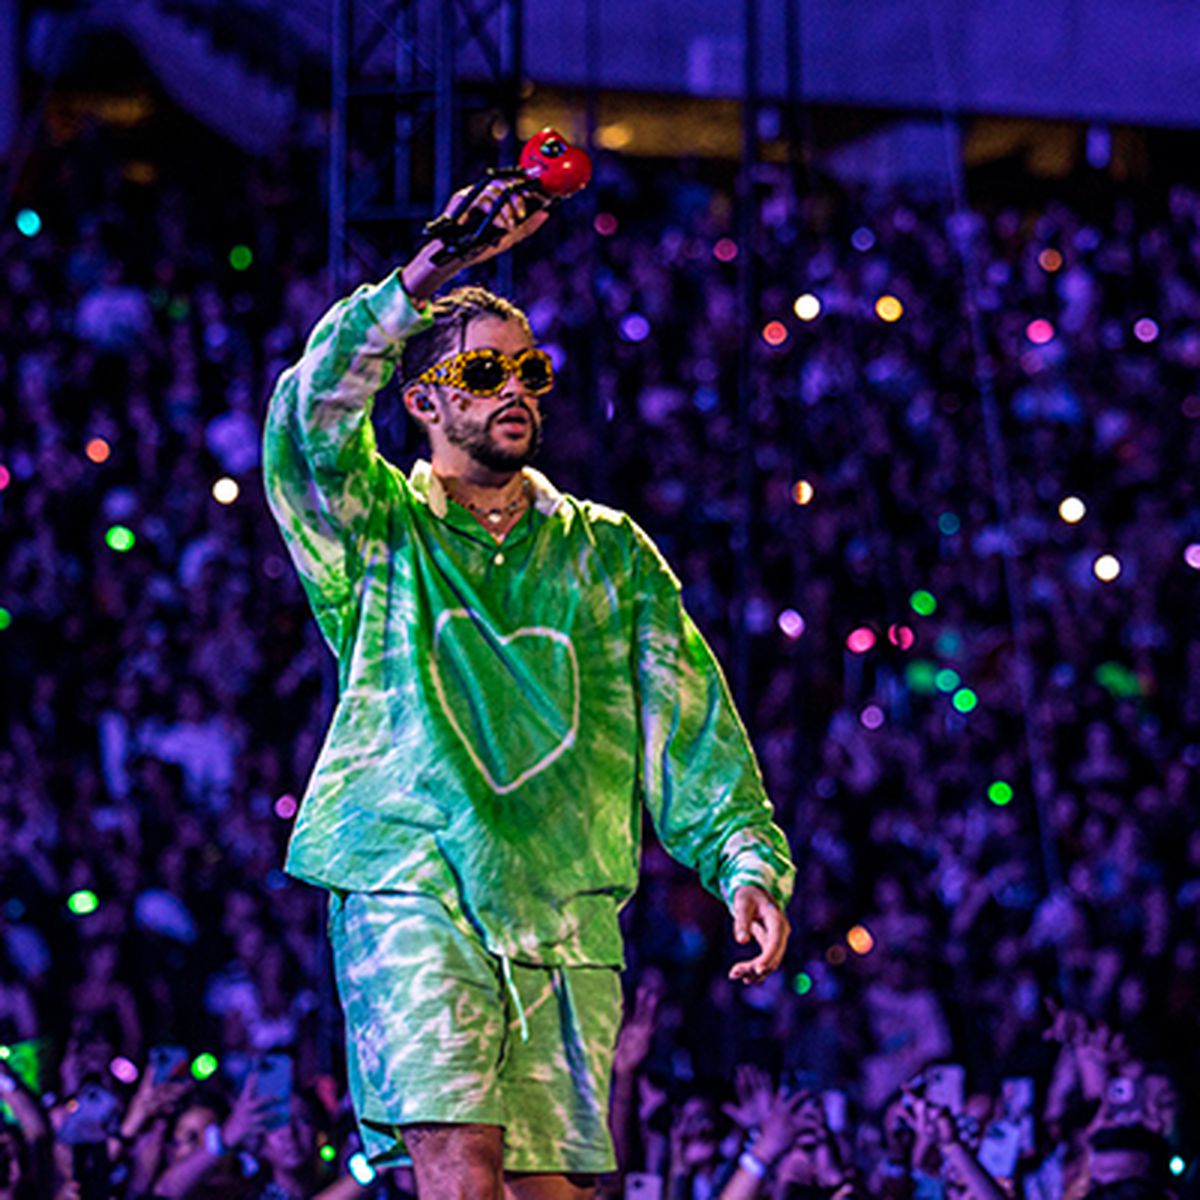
(425,95)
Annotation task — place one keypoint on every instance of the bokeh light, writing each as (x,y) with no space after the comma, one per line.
(860,940)
(226,490)
(635,327)
(949,524)
(1106,568)
(5,477)
(726,250)
(286,806)
(1177,1165)
(240,257)
(120,538)
(1146,330)
(860,640)
(1050,260)
(360,1168)
(1000,793)
(1039,331)
(807,307)
(871,717)
(605,224)
(862,239)
(947,680)
(802,984)
(5,618)
(835,955)
(923,603)
(774,333)
(83,902)
(920,676)
(123,1070)
(802,492)
(889,309)
(1072,510)
(204,1066)
(29,223)
(1191,556)
(98,450)
(965,700)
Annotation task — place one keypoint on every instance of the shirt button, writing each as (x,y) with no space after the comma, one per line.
(499,560)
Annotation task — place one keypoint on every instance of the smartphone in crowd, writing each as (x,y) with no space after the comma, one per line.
(946,1085)
(834,1102)
(1000,1150)
(167,1063)
(94,1111)
(1124,1098)
(273,1080)
(639,1186)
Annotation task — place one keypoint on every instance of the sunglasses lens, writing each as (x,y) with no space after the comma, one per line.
(484,375)
(536,373)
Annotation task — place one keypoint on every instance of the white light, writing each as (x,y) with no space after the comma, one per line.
(362,1170)
(1072,510)
(1106,568)
(807,307)
(226,490)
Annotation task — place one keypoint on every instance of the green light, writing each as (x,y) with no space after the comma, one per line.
(1000,793)
(179,308)
(328,1153)
(965,700)
(920,675)
(204,1065)
(949,524)
(947,679)
(923,603)
(83,902)
(5,1052)
(240,257)
(1118,680)
(1178,1165)
(120,538)
(802,984)
(5,618)
(29,223)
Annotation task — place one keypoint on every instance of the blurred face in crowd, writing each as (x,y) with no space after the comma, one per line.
(188,1135)
(294,1145)
(501,432)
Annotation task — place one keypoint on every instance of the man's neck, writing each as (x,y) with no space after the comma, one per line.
(480,484)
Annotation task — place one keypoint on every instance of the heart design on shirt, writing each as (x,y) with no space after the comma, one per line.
(503,695)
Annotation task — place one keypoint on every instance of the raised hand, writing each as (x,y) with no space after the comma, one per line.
(633,1042)
(757,916)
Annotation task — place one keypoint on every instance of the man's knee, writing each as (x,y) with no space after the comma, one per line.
(456,1162)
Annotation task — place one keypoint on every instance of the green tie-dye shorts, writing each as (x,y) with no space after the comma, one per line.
(434,1034)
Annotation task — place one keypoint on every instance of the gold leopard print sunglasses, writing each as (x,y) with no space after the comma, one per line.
(484,372)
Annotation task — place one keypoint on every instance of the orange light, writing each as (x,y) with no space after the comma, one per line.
(889,309)
(860,940)
(1050,260)
(802,492)
(98,450)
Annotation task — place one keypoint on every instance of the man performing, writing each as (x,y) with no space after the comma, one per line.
(517,678)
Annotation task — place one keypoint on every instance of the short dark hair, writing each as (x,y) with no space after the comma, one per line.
(1134,1139)
(452,314)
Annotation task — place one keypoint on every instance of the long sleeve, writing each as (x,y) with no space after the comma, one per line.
(325,481)
(698,775)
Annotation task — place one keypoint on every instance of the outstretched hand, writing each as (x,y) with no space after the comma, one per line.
(423,277)
(757,916)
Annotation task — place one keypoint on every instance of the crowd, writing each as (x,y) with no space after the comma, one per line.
(996,972)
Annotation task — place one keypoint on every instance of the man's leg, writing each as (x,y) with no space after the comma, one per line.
(549,1187)
(457,1162)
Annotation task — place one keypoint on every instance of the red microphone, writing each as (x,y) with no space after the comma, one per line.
(548,171)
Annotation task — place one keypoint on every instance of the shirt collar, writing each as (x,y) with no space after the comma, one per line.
(546,497)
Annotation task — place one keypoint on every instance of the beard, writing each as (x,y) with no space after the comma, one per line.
(480,442)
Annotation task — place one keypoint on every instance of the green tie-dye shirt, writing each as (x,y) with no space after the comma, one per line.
(504,711)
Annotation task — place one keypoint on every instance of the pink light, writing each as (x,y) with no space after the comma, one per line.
(605,224)
(860,640)
(5,477)
(1191,556)
(902,636)
(872,716)
(123,1069)
(1039,332)
(775,333)
(791,623)
(726,250)
(1145,330)
(286,806)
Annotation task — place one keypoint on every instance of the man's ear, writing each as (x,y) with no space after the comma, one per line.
(420,404)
